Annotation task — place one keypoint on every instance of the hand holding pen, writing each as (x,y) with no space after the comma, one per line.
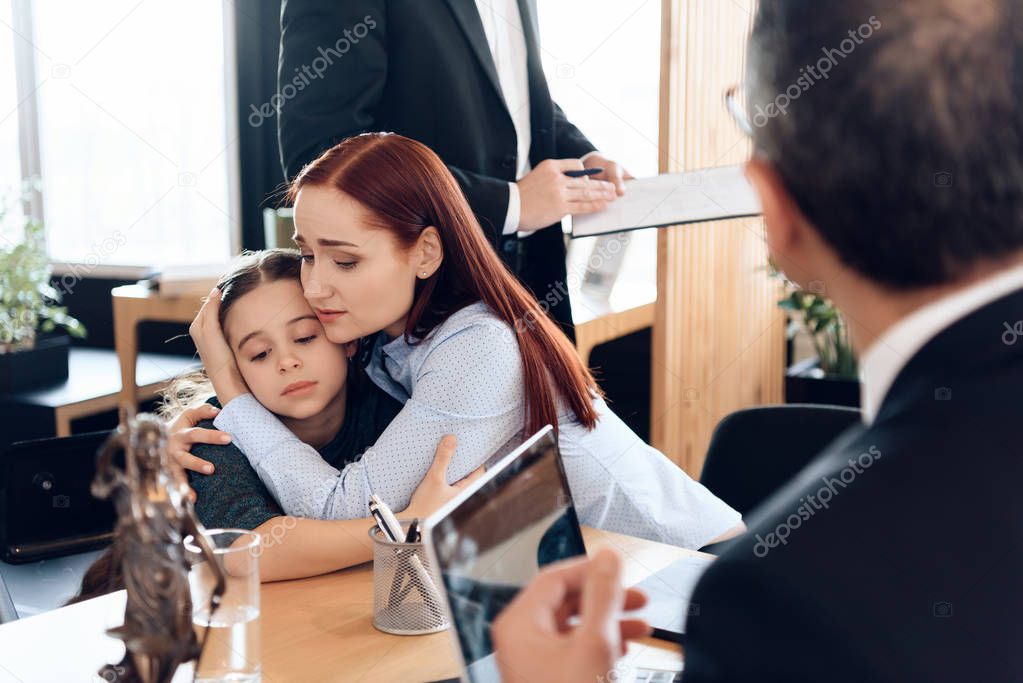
(547,193)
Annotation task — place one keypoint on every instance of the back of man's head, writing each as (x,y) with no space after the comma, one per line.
(897,126)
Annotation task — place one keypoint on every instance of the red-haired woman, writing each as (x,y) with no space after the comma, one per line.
(393,255)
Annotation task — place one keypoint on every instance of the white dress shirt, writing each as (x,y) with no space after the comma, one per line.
(502,23)
(885,358)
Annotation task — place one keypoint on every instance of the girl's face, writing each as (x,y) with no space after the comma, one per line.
(355,275)
(282,352)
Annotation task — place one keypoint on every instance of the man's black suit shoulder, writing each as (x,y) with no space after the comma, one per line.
(895,549)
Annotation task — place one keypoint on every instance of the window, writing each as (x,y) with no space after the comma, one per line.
(133,128)
(10,173)
(602,61)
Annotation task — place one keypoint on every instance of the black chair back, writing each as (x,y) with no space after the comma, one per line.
(754,452)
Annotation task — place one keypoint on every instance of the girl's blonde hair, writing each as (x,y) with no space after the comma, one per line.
(252,269)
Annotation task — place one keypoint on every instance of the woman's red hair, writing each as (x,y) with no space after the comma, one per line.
(407,188)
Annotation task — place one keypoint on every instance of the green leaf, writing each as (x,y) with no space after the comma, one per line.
(28,302)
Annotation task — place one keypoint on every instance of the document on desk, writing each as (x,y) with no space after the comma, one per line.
(669,594)
(708,194)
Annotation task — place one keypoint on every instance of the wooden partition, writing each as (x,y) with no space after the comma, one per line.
(718,335)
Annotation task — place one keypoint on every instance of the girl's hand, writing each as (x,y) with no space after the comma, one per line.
(183,434)
(434,491)
(214,352)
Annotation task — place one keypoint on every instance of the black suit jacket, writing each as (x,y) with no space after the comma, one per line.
(913,571)
(422,68)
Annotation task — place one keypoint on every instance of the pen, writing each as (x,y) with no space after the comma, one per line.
(413,532)
(391,528)
(382,523)
(385,518)
(584,172)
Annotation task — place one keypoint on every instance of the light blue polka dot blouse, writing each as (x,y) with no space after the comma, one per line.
(466,379)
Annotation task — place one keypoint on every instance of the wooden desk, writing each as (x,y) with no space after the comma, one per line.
(133,304)
(317,629)
(600,320)
(611,326)
(91,387)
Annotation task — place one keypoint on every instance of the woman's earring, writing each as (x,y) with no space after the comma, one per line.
(424,275)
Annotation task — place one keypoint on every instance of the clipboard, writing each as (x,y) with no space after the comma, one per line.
(707,194)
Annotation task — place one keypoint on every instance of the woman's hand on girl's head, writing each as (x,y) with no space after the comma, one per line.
(214,351)
(433,492)
(183,434)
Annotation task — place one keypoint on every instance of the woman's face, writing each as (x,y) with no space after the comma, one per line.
(282,352)
(356,277)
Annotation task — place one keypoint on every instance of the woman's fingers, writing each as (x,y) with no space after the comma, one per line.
(471,477)
(195,330)
(442,458)
(180,443)
(193,416)
(193,463)
(196,435)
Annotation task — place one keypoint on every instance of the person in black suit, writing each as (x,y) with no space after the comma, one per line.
(427,70)
(897,555)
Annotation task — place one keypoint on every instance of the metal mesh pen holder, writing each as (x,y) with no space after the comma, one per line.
(406,600)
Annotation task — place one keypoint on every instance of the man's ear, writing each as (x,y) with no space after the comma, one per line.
(785,224)
(429,253)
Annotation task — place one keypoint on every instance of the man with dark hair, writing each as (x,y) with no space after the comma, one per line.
(888,155)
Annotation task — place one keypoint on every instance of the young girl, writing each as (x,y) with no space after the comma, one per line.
(306,382)
(392,252)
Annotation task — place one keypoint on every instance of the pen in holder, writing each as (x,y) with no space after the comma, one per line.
(406,601)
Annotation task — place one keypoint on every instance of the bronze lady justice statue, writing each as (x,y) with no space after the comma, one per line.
(154,515)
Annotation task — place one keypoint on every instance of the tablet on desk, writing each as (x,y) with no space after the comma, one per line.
(492,539)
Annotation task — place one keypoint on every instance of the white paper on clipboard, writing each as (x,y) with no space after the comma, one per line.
(673,198)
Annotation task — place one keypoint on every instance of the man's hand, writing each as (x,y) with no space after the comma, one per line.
(183,434)
(613,173)
(532,636)
(547,195)
(214,352)
(433,491)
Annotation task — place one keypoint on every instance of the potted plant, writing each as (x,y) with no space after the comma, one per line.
(31,354)
(831,377)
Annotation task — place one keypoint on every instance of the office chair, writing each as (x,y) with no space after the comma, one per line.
(754,452)
(7,611)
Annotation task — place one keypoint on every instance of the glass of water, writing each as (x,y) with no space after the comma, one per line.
(231,631)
